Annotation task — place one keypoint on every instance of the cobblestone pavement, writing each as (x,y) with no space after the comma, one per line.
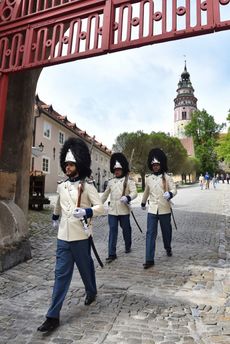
(182,299)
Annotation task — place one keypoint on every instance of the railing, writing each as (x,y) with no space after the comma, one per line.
(41,33)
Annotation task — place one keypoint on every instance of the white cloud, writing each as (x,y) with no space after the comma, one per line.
(134,89)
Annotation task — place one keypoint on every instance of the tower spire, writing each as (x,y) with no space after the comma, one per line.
(185,103)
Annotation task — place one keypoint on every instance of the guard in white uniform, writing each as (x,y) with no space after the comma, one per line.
(77,201)
(159,189)
(122,191)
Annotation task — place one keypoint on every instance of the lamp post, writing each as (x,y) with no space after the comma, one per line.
(98,179)
(41,147)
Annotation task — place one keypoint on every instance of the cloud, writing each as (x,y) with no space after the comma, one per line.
(134,89)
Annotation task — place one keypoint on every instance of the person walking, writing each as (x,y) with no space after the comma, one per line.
(77,201)
(207,180)
(214,182)
(201,181)
(159,189)
(122,190)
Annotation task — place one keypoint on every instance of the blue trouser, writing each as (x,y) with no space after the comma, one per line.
(124,221)
(69,252)
(151,235)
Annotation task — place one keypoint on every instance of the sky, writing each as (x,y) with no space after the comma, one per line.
(135,89)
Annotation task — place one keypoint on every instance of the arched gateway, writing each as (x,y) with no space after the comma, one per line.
(38,33)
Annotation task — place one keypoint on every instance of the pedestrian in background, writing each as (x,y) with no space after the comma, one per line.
(227,177)
(201,181)
(222,177)
(122,190)
(207,180)
(159,189)
(77,200)
(214,181)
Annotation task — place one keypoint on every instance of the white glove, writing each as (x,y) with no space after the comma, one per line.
(124,199)
(55,224)
(166,196)
(79,213)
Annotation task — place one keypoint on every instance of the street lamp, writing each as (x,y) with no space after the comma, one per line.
(41,147)
(98,179)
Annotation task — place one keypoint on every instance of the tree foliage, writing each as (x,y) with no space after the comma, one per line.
(223,145)
(205,132)
(142,143)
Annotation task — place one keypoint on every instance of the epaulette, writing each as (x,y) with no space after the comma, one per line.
(148,175)
(61,181)
(89,180)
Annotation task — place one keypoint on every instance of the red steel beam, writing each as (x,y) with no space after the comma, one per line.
(3,100)
(43,33)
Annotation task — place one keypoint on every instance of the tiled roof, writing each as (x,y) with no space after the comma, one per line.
(63,120)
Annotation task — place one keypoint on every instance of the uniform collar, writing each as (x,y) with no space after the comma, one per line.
(158,174)
(74,179)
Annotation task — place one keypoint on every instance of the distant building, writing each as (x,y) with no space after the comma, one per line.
(50,130)
(185,103)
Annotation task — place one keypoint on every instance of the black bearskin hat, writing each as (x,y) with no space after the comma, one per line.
(158,155)
(80,153)
(121,160)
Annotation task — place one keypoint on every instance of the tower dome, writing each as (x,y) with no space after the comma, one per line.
(184,104)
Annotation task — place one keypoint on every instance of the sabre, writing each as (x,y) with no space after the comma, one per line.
(124,187)
(86,227)
(170,202)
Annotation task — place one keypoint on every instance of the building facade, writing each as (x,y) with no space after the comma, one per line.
(185,104)
(50,130)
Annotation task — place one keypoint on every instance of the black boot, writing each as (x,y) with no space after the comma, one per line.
(169,253)
(148,264)
(89,299)
(49,325)
(111,258)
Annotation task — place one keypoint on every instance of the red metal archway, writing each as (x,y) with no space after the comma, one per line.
(42,33)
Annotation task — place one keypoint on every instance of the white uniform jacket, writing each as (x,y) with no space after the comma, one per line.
(154,190)
(115,190)
(70,228)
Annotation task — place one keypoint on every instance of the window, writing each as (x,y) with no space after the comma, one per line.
(61,138)
(46,165)
(184,115)
(47,130)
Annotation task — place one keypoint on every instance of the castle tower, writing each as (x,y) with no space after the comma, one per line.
(185,104)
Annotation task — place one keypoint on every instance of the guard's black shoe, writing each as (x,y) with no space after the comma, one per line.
(89,299)
(49,325)
(127,250)
(148,264)
(169,253)
(111,258)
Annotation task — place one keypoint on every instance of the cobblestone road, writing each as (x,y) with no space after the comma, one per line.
(182,299)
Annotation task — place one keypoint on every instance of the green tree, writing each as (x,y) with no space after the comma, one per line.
(137,145)
(205,132)
(223,145)
(142,143)
(190,166)
(172,147)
